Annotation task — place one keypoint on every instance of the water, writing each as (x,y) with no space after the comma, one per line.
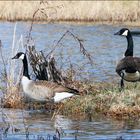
(105,49)
(99,40)
(40,125)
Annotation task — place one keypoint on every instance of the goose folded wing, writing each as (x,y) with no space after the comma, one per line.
(52,87)
(128,63)
(137,63)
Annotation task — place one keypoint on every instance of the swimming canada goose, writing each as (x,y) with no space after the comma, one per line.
(128,68)
(42,90)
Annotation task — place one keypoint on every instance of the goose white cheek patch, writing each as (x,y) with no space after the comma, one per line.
(125,33)
(21,57)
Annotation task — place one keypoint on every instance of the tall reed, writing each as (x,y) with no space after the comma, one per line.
(12,73)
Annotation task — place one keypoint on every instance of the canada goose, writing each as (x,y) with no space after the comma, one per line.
(42,90)
(128,68)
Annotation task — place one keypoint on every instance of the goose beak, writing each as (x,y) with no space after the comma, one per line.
(118,33)
(15,57)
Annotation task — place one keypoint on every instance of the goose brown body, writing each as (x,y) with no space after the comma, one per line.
(45,90)
(130,67)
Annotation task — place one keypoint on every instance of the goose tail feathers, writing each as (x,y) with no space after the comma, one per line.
(76,92)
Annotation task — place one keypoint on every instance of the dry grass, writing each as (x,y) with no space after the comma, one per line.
(11,75)
(71,10)
(108,101)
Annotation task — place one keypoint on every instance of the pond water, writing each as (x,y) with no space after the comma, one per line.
(105,49)
(40,126)
(99,40)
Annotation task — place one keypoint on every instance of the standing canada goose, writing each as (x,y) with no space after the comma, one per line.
(42,90)
(128,68)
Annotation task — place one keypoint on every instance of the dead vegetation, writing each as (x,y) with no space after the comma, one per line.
(94,11)
(106,100)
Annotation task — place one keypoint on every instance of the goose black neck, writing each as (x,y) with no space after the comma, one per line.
(129,51)
(25,67)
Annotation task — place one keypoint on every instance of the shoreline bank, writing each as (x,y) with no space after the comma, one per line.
(99,98)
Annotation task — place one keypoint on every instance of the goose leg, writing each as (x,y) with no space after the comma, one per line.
(122,81)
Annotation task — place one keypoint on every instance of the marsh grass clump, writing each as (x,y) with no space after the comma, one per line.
(109,102)
(10,75)
(12,99)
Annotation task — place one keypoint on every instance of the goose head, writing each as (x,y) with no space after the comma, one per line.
(22,56)
(123,32)
(19,55)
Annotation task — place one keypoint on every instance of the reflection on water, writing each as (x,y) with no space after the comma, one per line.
(105,48)
(40,125)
